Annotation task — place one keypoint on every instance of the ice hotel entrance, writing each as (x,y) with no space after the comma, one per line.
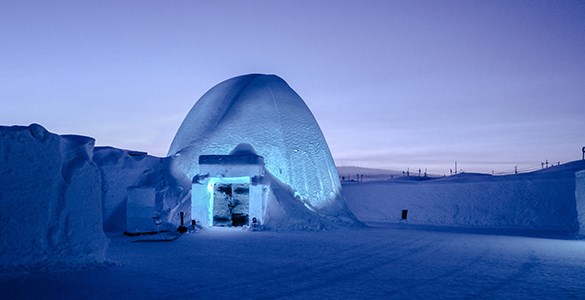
(229,190)
(231,203)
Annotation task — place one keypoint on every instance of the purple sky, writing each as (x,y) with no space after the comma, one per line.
(393,84)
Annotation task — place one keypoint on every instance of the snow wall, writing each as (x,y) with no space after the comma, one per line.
(263,111)
(580,198)
(545,201)
(124,170)
(50,199)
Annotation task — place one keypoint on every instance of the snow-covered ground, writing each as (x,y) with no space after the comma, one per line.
(376,262)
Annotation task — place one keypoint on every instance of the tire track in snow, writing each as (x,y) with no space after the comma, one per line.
(301,273)
(440,277)
(362,260)
(512,279)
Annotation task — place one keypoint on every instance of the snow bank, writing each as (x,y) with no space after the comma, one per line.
(285,212)
(50,203)
(263,111)
(540,201)
(122,170)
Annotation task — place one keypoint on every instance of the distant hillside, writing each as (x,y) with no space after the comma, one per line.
(350,173)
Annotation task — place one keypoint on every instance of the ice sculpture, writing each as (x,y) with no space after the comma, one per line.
(263,111)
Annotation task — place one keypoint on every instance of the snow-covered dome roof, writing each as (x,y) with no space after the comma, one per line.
(264,112)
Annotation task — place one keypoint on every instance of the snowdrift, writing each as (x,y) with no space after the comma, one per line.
(122,170)
(286,212)
(50,203)
(546,200)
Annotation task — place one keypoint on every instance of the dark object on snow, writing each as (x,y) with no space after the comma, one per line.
(126,233)
(404,214)
(255,224)
(182,229)
(162,234)
(164,239)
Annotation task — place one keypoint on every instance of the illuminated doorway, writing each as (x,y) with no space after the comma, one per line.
(231,204)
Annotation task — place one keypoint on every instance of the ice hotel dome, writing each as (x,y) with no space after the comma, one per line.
(262,111)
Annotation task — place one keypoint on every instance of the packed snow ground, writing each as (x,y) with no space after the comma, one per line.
(387,261)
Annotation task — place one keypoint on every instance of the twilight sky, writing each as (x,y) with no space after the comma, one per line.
(393,84)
